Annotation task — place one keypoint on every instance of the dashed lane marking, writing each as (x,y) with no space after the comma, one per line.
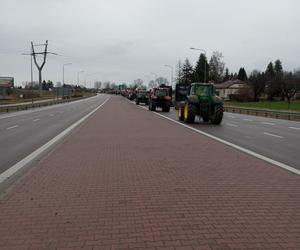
(35,120)
(273,135)
(294,128)
(12,127)
(249,120)
(232,125)
(268,123)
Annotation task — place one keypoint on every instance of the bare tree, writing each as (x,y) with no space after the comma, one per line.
(216,67)
(291,85)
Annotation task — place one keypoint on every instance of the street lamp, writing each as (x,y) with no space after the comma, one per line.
(172,69)
(204,63)
(65,64)
(81,71)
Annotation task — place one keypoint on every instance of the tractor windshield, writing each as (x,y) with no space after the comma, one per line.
(161,92)
(202,90)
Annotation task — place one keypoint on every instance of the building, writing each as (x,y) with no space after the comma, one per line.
(232,88)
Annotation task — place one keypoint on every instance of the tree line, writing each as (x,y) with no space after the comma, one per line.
(274,82)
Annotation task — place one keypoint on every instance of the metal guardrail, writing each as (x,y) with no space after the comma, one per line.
(30,105)
(285,115)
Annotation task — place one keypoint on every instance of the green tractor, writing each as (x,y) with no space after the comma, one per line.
(141,96)
(201,100)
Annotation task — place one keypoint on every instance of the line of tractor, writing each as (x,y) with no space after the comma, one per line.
(197,99)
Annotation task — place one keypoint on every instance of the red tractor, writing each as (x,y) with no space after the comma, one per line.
(160,97)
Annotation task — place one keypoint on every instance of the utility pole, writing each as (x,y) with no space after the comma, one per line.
(40,67)
(31,73)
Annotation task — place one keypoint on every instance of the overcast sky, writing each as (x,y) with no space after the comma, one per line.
(122,40)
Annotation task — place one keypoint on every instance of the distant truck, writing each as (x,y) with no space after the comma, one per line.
(160,97)
(6,82)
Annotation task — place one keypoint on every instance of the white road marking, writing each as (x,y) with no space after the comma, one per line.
(12,170)
(268,123)
(35,120)
(269,134)
(231,116)
(244,150)
(232,125)
(294,128)
(12,127)
(51,115)
(246,119)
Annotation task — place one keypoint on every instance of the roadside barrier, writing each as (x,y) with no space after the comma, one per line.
(284,115)
(30,105)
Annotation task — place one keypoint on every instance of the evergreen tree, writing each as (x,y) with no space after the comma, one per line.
(257,81)
(278,67)
(270,73)
(227,75)
(202,69)
(242,75)
(188,72)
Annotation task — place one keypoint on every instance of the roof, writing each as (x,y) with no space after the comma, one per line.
(229,83)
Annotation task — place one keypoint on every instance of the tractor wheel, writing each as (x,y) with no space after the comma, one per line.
(152,106)
(218,115)
(189,113)
(205,117)
(180,113)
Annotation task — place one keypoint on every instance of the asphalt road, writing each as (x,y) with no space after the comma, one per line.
(273,138)
(24,132)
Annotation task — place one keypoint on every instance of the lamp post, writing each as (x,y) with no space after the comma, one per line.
(81,71)
(172,69)
(205,62)
(65,64)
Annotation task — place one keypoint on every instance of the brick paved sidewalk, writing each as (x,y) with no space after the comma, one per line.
(128,179)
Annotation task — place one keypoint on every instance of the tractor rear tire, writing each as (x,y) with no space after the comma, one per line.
(180,113)
(218,115)
(189,113)
(152,106)
(205,118)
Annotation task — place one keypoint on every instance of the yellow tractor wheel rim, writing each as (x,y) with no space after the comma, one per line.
(185,111)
